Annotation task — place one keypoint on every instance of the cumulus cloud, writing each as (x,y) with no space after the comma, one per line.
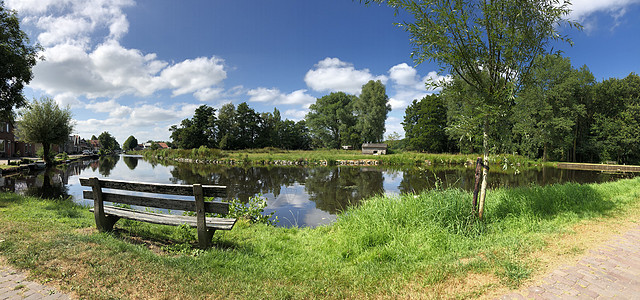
(334,75)
(409,85)
(77,64)
(615,8)
(274,96)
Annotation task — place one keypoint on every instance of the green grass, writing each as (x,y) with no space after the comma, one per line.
(387,247)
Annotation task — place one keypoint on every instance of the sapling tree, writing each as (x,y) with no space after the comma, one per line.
(500,38)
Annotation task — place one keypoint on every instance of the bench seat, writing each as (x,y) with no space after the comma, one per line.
(166,219)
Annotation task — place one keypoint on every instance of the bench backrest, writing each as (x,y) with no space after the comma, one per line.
(155,200)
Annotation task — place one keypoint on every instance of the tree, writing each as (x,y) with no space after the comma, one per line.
(551,107)
(93,137)
(247,121)
(424,125)
(17,58)
(108,143)
(197,131)
(130,144)
(331,121)
(227,127)
(500,38)
(371,110)
(44,122)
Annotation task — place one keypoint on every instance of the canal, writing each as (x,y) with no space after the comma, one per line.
(300,196)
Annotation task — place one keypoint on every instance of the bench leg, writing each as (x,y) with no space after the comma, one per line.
(106,223)
(204,237)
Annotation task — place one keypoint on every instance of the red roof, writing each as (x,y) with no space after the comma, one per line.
(163,145)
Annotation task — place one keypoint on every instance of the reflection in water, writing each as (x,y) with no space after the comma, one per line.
(107,163)
(131,162)
(49,184)
(300,196)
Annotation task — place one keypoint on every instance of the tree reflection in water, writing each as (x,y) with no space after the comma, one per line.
(49,185)
(131,162)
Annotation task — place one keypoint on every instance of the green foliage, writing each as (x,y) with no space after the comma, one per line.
(46,123)
(18,57)
(130,144)
(371,110)
(424,125)
(331,121)
(108,143)
(252,210)
(241,128)
(63,156)
(551,108)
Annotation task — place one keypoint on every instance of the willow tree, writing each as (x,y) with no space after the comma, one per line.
(469,37)
(44,122)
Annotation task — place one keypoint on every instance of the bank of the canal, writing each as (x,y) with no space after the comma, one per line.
(422,245)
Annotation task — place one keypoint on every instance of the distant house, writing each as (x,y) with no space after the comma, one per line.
(347,148)
(163,145)
(94,145)
(374,149)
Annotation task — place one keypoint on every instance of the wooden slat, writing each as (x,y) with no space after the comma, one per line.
(169,189)
(164,219)
(174,204)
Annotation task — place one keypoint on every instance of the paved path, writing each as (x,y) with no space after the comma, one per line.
(13,285)
(611,271)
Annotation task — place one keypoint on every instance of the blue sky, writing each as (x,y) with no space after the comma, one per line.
(137,67)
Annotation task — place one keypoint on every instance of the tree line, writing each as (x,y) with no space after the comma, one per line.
(335,120)
(560,113)
(239,128)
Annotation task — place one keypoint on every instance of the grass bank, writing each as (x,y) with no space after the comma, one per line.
(422,246)
(269,156)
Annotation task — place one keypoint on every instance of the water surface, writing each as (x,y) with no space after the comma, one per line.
(300,196)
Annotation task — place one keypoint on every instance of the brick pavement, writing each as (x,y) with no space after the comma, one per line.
(13,285)
(611,271)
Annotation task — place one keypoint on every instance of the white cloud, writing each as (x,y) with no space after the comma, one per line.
(144,121)
(334,75)
(408,85)
(583,8)
(274,95)
(263,94)
(295,114)
(193,75)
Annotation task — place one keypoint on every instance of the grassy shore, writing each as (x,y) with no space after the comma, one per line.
(320,157)
(422,246)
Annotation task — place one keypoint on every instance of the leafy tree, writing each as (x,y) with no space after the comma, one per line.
(93,137)
(17,58)
(371,109)
(331,121)
(44,122)
(197,131)
(108,143)
(247,125)
(130,143)
(617,119)
(468,38)
(424,125)
(227,127)
(551,107)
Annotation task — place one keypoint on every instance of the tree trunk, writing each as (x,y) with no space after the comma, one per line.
(485,169)
(45,152)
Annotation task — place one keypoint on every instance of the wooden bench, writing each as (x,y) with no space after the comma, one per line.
(106,216)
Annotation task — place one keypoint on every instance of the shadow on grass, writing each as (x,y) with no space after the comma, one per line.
(550,201)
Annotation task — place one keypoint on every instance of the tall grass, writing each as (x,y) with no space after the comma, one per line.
(387,247)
